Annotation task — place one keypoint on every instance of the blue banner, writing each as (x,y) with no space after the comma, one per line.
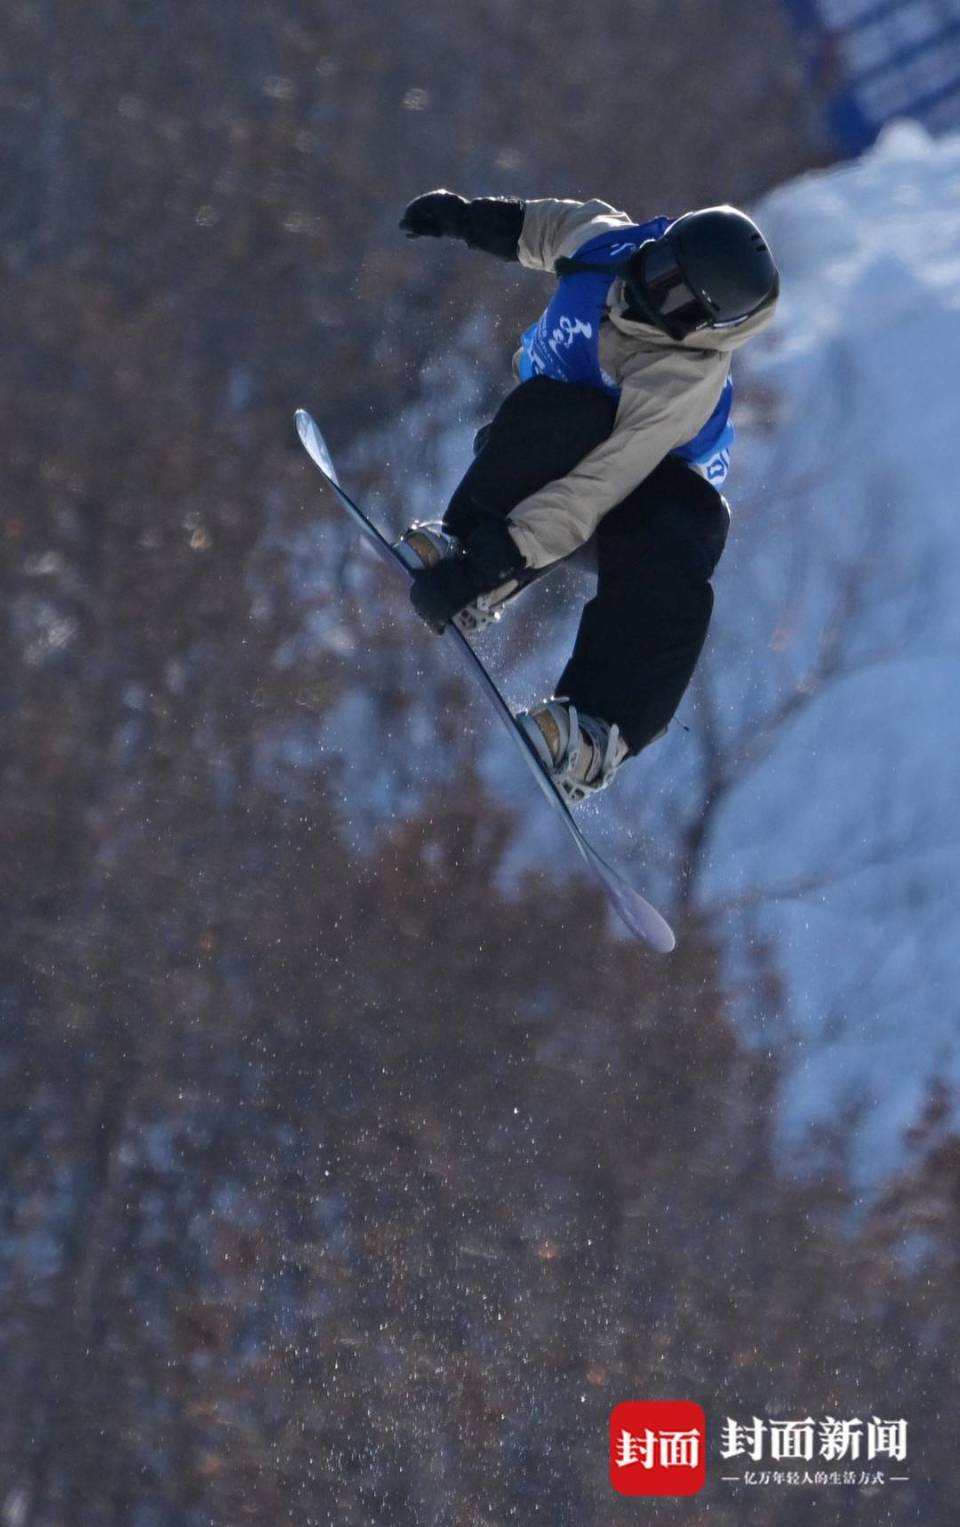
(871,60)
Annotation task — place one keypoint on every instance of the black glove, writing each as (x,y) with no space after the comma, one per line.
(491,223)
(436,215)
(489,557)
(440,592)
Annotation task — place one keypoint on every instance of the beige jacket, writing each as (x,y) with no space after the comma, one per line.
(669,390)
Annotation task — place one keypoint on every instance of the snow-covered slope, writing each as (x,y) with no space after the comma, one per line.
(838,612)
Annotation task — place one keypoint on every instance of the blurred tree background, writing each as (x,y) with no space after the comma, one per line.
(339,1187)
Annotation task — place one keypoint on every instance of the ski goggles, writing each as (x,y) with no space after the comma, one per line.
(665,289)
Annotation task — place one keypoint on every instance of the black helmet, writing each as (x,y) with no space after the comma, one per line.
(710,269)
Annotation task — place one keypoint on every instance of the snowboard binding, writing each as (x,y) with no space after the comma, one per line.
(580,753)
(423,544)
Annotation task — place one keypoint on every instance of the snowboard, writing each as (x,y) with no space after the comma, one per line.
(642,920)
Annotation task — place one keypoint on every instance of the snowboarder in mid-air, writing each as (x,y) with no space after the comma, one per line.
(616,439)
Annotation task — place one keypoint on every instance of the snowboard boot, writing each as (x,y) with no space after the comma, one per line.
(580,753)
(425,543)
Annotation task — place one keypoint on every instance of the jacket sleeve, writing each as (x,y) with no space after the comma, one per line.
(650,423)
(553,229)
(537,233)
(493,224)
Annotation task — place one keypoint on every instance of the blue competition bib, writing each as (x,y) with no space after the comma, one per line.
(564,343)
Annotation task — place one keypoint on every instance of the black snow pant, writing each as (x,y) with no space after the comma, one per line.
(642,633)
